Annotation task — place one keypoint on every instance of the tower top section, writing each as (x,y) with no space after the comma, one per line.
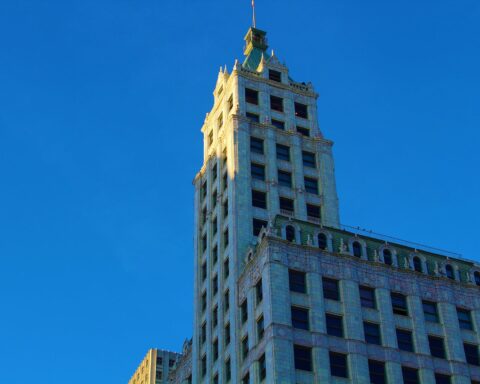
(255,47)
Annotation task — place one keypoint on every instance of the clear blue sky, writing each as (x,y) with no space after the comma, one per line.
(101,103)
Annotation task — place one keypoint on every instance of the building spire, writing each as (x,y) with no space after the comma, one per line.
(254,21)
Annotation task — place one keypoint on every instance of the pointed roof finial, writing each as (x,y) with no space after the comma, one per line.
(254,24)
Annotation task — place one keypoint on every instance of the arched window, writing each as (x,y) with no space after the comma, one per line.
(417,264)
(387,257)
(322,241)
(449,272)
(476,277)
(357,249)
(290,233)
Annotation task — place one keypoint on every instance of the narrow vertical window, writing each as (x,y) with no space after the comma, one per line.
(322,241)
(357,249)
(290,233)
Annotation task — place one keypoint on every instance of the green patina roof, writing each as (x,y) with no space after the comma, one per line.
(373,244)
(256,46)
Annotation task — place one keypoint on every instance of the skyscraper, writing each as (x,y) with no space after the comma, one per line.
(283,292)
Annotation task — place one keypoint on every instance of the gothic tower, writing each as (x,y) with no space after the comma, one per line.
(264,155)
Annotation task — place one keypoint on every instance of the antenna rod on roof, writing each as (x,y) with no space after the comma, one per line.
(253,9)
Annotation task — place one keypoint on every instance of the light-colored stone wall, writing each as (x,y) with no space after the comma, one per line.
(272,260)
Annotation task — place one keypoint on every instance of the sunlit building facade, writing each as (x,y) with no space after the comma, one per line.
(155,367)
(283,292)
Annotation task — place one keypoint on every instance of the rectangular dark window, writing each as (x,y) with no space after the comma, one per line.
(258,171)
(464,319)
(210,138)
(215,379)
(330,289)
(204,366)
(313,211)
(297,281)
(262,368)
(471,353)
(251,96)
(225,181)
(259,199)
(227,334)
(276,103)
(228,370)
(215,317)
(442,379)
(214,226)
(230,103)
(259,291)
(225,238)
(300,318)
(226,268)
(204,301)
(283,152)
(204,190)
(253,117)
(214,198)
(203,333)
(275,75)
(246,378)
(285,179)
(404,340)
(399,303)
(226,301)
(204,243)
(311,185)
(225,209)
(260,328)
(158,375)
(303,131)
(377,373)
(367,296)
(309,159)
(301,110)
(410,375)
(245,347)
(338,364)
(334,325)
(278,124)
(256,145)
(302,357)
(220,120)
(372,333)
(244,311)
(257,226)
(437,348)
(215,350)
(204,271)
(214,171)
(430,311)
(214,254)
(286,205)
(215,285)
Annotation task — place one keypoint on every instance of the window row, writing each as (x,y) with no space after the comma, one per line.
(282,152)
(367,297)
(259,200)
(284,178)
(276,103)
(339,367)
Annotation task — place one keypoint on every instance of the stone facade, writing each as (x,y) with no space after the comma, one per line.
(275,257)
